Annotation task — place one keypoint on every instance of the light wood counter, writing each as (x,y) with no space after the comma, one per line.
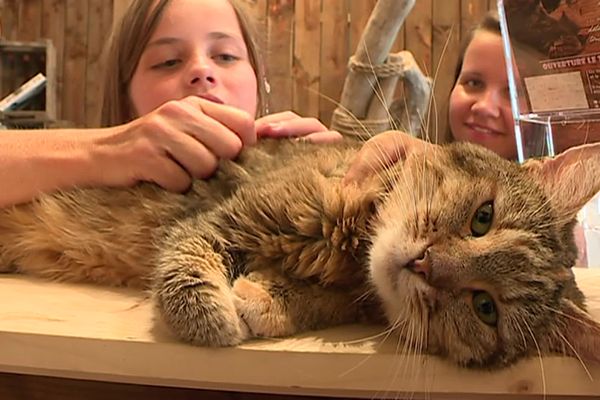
(86,332)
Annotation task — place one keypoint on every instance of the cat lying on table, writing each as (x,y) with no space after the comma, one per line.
(466,255)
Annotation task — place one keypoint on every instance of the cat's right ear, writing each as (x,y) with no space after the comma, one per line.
(570,179)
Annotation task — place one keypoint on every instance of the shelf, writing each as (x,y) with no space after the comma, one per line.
(87,332)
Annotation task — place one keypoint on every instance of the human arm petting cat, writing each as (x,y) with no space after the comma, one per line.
(177,97)
(170,146)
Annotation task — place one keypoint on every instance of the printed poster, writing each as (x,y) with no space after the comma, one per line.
(556,48)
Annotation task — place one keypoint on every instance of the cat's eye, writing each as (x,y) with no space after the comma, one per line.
(482,220)
(485,307)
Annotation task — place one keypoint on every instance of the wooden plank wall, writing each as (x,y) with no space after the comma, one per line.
(307,42)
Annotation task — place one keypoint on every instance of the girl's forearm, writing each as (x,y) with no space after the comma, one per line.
(41,161)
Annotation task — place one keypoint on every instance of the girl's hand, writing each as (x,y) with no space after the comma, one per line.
(381,151)
(289,124)
(179,141)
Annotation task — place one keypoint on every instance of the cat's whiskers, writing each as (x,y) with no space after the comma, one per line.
(416,195)
(427,195)
(571,317)
(378,91)
(519,325)
(540,357)
(431,116)
(406,347)
(515,322)
(387,332)
(366,294)
(390,174)
(379,164)
(424,120)
(402,353)
(423,324)
(419,345)
(355,119)
(576,353)
(388,169)
(428,184)
(425,129)
(384,334)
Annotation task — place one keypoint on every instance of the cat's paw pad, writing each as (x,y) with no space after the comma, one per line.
(263,315)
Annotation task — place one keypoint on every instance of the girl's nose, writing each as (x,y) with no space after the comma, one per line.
(201,73)
(488,104)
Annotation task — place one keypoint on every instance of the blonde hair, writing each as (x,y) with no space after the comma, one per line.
(127,42)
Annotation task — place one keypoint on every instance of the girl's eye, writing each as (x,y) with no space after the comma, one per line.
(473,83)
(485,308)
(167,63)
(226,58)
(482,220)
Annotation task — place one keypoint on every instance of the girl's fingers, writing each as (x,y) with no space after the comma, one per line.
(295,127)
(326,137)
(168,174)
(214,134)
(193,156)
(237,121)
(276,117)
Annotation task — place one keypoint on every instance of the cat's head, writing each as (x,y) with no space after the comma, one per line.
(472,254)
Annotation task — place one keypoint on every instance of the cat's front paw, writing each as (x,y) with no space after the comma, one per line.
(202,317)
(263,314)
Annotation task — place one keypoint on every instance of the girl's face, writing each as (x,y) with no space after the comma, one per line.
(197,49)
(479,110)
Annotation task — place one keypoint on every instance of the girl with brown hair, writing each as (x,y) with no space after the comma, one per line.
(184,88)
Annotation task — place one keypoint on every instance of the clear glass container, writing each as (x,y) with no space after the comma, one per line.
(552,51)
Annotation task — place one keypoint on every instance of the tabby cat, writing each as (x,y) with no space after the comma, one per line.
(466,255)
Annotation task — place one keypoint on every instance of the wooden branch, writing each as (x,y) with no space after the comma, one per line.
(382,28)
(411,111)
(385,88)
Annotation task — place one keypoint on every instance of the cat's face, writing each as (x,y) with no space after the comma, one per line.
(473,262)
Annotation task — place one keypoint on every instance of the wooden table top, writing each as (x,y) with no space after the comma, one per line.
(89,332)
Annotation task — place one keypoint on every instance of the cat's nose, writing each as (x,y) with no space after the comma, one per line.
(421,265)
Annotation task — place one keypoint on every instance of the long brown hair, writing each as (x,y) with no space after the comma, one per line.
(489,23)
(127,42)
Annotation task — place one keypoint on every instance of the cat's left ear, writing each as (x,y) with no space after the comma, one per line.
(570,179)
(577,333)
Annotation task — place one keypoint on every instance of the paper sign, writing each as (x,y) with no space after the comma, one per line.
(564,91)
